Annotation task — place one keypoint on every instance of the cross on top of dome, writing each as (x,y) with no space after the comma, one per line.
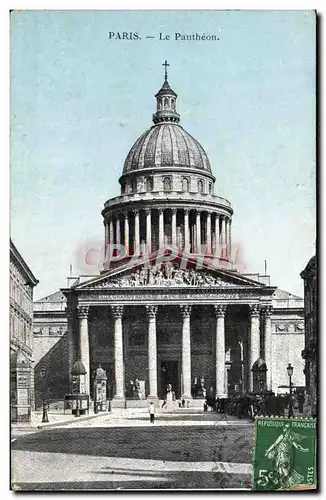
(166,64)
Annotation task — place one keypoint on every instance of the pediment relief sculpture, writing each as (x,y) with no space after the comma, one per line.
(164,274)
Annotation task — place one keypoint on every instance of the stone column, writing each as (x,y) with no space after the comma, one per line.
(222,242)
(70,338)
(118,231)
(217,235)
(254,339)
(229,235)
(106,232)
(161,227)
(136,234)
(220,350)
(209,233)
(126,240)
(148,230)
(268,311)
(117,312)
(186,230)
(198,232)
(226,225)
(186,352)
(84,343)
(111,233)
(152,351)
(174,227)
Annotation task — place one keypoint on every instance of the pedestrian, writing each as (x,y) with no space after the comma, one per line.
(291,405)
(151,411)
(183,402)
(205,406)
(301,399)
(164,404)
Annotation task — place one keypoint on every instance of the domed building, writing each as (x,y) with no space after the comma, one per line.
(169,315)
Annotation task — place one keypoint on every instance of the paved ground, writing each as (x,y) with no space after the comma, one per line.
(122,450)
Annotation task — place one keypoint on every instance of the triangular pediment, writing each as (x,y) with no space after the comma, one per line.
(174,273)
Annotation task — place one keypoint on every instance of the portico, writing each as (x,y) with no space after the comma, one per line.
(194,331)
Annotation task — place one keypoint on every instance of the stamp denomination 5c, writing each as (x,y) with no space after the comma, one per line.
(285,454)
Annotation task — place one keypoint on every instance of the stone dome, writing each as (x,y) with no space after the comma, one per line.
(166,145)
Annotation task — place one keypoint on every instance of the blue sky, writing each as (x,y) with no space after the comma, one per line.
(79,101)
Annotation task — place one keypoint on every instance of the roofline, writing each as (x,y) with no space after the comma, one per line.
(16,254)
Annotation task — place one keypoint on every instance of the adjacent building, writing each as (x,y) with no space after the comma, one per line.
(309,353)
(50,348)
(170,308)
(22,283)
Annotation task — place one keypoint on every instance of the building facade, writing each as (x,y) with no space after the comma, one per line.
(50,348)
(22,283)
(309,353)
(170,308)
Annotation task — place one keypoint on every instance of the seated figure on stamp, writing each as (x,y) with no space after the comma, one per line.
(169,395)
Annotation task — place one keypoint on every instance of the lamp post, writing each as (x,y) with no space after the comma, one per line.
(45,417)
(290,373)
(109,390)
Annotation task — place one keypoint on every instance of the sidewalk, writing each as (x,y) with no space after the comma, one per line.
(56,419)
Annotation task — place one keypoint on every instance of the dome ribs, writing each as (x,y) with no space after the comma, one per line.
(183,154)
(166,147)
(175,157)
(149,149)
(142,151)
(158,151)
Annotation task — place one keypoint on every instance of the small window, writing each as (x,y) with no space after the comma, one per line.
(149,184)
(133,186)
(210,188)
(166,103)
(200,186)
(167,184)
(185,184)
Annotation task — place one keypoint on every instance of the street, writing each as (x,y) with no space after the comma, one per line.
(182,450)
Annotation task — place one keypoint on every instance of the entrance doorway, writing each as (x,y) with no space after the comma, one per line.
(169,374)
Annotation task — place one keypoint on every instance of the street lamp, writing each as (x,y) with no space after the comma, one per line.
(45,417)
(290,373)
(109,390)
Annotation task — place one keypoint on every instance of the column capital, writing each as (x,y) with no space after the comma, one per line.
(174,210)
(198,211)
(151,311)
(220,310)
(186,311)
(147,211)
(267,310)
(117,311)
(254,309)
(125,213)
(136,211)
(82,312)
(186,210)
(160,210)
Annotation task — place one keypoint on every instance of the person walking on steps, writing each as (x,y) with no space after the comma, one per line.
(151,411)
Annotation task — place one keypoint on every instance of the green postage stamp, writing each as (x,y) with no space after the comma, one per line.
(284,454)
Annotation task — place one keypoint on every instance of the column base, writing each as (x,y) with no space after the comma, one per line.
(186,396)
(118,402)
(221,395)
(153,399)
